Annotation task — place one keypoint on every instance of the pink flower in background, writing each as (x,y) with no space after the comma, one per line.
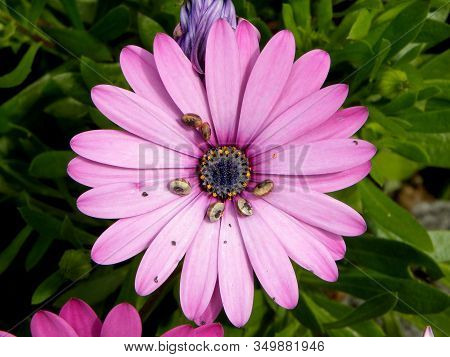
(428,332)
(78,319)
(210,330)
(6,334)
(238,186)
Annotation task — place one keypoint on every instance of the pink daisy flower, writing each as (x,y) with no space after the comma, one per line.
(209,330)
(229,170)
(78,319)
(428,332)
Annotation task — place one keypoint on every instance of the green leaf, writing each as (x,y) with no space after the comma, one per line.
(47,288)
(324,14)
(75,264)
(358,53)
(148,28)
(23,69)
(402,102)
(94,73)
(339,310)
(51,164)
(37,252)
(414,297)
(50,227)
(114,24)
(10,252)
(391,258)
(404,28)
(304,313)
(289,22)
(97,287)
(19,105)
(437,67)
(302,13)
(387,165)
(433,32)
(428,93)
(37,6)
(67,109)
(72,85)
(361,26)
(80,43)
(370,309)
(429,122)
(441,242)
(73,14)
(431,149)
(379,208)
(409,149)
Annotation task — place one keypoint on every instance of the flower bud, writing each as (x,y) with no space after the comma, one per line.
(393,82)
(196,19)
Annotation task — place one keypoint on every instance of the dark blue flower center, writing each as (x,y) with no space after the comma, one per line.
(224,172)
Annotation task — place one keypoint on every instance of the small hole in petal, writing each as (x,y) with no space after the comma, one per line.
(225,242)
(355,142)
(174,243)
(144,194)
(156,280)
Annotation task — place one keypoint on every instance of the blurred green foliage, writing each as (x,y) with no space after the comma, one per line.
(392,54)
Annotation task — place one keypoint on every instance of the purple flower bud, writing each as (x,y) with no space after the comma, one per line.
(196,19)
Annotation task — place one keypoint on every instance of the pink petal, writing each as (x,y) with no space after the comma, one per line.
(81,317)
(319,183)
(93,174)
(182,82)
(247,37)
(211,330)
(169,246)
(235,271)
(212,310)
(269,259)
(199,274)
(48,324)
(334,243)
(319,210)
(300,244)
(307,76)
(144,119)
(342,125)
(139,68)
(122,321)
(179,331)
(121,149)
(300,118)
(265,84)
(6,334)
(130,236)
(428,332)
(223,79)
(320,157)
(122,200)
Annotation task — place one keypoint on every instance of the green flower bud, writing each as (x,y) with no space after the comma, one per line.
(75,264)
(392,83)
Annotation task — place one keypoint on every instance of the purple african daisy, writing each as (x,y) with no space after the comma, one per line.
(229,171)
